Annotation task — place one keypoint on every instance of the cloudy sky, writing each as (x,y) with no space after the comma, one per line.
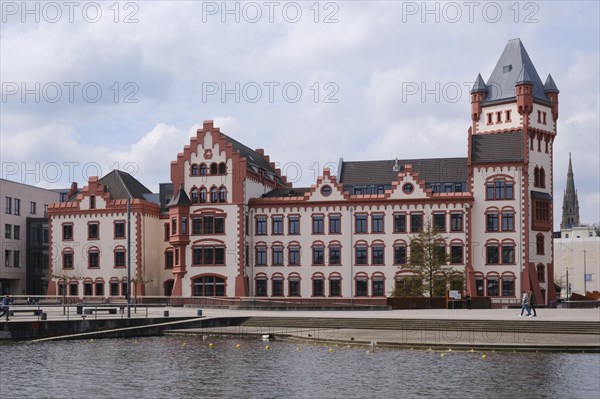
(92,86)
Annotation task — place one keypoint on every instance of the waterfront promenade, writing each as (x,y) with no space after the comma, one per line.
(553,329)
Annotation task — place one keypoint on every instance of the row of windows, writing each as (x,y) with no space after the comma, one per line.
(362,224)
(12,206)
(115,288)
(201,225)
(500,221)
(93,258)
(202,169)
(11,231)
(333,284)
(12,258)
(93,230)
(200,195)
(506,113)
(332,254)
(499,189)
(539,177)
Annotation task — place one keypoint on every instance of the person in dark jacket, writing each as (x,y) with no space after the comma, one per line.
(531,303)
(4,307)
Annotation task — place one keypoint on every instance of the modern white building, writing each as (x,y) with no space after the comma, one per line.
(229,224)
(23,203)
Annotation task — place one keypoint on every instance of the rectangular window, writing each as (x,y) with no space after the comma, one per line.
(278,287)
(377,223)
(114,288)
(67,260)
(7,255)
(318,287)
(294,256)
(508,286)
(166,232)
(335,255)
(294,225)
(8,231)
(277,256)
(456,222)
(416,223)
(318,255)
(169,261)
(32,208)
(489,118)
(197,256)
(493,288)
(93,260)
(335,287)
(317,224)
(399,254)
(361,287)
(277,227)
(378,289)
(196,226)
(99,289)
(377,255)
(492,255)
(120,258)
(8,205)
(456,254)
(294,286)
(74,289)
(498,116)
(439,222)
(93,231)
(439,253)
(261,256)
(508,221)
(361,255)
(17,258)
(261,225)
(479,285)
(335,224)
(17,210)
(67,231)
(119,229)
(360,223)
(508,115)
(92,202)
(87,289)
(261,287)
(400,223)
(492,222)
(508,254)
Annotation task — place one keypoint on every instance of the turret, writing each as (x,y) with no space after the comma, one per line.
(524,91)
(478,93)
(552,93)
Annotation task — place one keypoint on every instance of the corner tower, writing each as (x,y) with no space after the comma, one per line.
(510,171)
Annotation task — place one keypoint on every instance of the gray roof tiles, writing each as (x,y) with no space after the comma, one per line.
(513,66)
(497,148)
(121,185)
(436,170)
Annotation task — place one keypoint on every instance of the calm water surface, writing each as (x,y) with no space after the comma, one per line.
(184,367)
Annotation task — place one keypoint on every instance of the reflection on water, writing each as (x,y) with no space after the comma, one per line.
(179,367)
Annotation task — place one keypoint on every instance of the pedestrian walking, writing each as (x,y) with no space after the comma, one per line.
(468,299)
(531,303)
(4,307)
(525,304)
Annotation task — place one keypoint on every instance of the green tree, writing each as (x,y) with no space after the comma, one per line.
(428,258)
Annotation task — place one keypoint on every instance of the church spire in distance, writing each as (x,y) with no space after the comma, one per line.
(570,208)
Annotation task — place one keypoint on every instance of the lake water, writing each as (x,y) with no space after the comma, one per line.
(185,367)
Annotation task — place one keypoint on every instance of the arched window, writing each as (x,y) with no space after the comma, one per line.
(378,284)
(67,257)
(508,284)
(120,256)
(277,284)
(493,285)
(202,169)
(318,284)
(222,168)
(214,195)
(94,258)
(539,244)
(335,284)
(213,168)
(194,195)
(194,169)
(222,194)
(541,273)
(294,284)
(202,195)
(261,285)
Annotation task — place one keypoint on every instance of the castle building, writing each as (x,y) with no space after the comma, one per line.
(230,225)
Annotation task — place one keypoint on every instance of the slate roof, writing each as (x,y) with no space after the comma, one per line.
(287,192)
(436,170)
(497,148)
(181,198)
(255,160)
(121,185)
(513,66)
(550,86)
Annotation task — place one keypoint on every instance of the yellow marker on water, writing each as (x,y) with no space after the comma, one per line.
(484,356)
(298,348)
(442,355)
(211,345)
(330,350)
(267,347)
(238,346)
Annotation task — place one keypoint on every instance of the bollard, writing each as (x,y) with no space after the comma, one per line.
(44,316)
(166,313)
(199,312)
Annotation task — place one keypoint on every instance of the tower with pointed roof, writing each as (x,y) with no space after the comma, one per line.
(510,171)
(570,207)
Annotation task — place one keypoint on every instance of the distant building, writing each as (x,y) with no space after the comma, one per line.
(576,247)
(230,225)
(24,268)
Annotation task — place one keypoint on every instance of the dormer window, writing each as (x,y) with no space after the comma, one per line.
(507,68)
